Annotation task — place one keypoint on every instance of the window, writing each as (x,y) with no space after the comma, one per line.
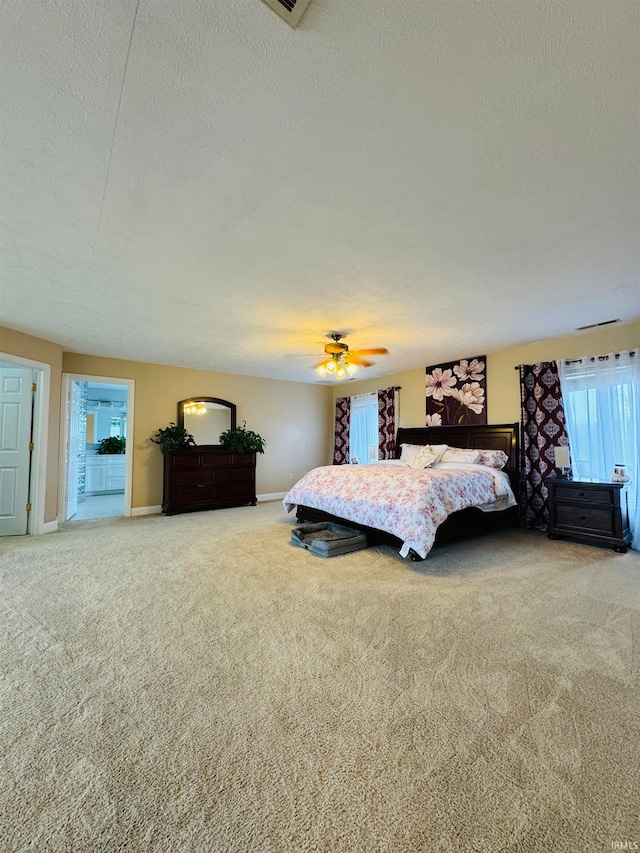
(118,426)
(363,428)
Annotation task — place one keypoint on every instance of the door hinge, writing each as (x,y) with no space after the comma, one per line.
(28,507)
(31,446)
(34,386)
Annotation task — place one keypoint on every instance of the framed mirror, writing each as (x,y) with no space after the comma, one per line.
(206,417)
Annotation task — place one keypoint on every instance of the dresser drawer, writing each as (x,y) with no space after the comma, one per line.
(235,475)
(577,494)
(587,518)
(195,477)
(215,460)
(187,495)
(185,462)
(246,459)
(237,490)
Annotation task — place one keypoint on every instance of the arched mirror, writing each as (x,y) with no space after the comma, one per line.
(206,417)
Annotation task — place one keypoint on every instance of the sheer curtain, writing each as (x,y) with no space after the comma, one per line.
(602,410)
(363,428)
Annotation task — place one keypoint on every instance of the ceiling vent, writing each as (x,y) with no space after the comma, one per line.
(596,325)
(289,10)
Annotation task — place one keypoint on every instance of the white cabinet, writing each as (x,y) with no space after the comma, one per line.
(105,473)
(95,475)
(115,472)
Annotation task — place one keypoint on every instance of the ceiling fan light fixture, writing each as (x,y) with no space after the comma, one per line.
(340,362)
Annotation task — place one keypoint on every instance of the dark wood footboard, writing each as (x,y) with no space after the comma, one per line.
(460,525)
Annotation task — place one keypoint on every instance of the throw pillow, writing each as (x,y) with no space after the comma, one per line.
(424,458)
(493,458)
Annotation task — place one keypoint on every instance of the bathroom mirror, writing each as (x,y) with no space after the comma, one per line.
(206,417)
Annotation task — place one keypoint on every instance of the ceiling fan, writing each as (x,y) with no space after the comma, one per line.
(340,361)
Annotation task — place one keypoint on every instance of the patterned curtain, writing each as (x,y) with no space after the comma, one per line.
(543,427)
(386,423)
(341,440)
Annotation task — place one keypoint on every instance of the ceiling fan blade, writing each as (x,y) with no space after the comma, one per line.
(324,361)
(355,359)
(374,351)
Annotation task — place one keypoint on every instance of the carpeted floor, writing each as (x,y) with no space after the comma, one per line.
(196,683)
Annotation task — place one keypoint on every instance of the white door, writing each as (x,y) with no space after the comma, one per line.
(16,408)
(73,450)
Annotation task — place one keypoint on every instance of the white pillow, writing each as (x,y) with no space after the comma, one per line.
(455,454)
(424,458)
(409,450)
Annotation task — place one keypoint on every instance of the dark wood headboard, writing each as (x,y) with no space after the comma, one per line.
(476,436)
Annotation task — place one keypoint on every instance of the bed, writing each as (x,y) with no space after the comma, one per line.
(368,497)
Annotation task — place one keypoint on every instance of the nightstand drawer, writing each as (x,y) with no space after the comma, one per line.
(576,493)
(588,518)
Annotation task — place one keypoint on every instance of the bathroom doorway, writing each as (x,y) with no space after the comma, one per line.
(97,450)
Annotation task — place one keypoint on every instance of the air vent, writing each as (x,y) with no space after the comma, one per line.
(289,10)
(596,325)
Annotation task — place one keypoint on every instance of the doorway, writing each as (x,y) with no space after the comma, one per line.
(24,409)
(97,450)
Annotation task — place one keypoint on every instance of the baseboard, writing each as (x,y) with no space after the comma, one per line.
(48,526)
(156,510)
(146,510)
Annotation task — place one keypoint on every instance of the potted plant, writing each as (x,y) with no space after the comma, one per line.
(112,444)
(172,438)
(242,440)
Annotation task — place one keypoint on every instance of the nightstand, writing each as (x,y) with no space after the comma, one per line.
(592,510)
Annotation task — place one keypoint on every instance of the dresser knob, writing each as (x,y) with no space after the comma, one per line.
(582,517)
(580,494)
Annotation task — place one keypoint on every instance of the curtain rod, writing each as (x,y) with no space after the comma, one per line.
(579,360)
(593,358)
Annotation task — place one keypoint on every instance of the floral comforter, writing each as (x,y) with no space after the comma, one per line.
(406,502)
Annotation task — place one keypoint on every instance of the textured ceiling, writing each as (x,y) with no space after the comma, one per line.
(196,183)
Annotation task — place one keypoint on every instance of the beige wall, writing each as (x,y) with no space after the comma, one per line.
(503,390)
(294,418)
(35,349)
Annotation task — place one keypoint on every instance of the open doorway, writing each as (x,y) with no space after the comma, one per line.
(97,447)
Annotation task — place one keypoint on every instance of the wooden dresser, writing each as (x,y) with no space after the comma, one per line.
(208,477)
(594,511)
